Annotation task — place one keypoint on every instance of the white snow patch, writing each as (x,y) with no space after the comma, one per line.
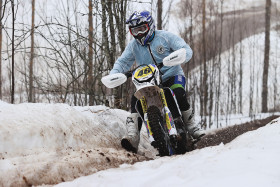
(251,160)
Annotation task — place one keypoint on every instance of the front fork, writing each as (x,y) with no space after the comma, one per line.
(168,116)
(146,121)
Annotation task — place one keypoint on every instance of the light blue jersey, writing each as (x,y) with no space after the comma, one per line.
(161,46)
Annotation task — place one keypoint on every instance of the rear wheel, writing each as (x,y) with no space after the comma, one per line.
(155,121)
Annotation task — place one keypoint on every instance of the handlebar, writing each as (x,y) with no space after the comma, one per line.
(129,73)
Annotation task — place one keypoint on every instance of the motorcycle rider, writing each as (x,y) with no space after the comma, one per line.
(149,47)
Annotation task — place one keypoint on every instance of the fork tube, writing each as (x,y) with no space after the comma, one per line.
(168,116)
(146,121)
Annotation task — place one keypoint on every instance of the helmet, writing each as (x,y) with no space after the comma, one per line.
(141,26)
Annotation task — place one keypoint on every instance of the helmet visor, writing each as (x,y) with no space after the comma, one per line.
(141,29)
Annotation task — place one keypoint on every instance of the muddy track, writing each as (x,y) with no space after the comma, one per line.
(56,167)
(226,135)
(69,164)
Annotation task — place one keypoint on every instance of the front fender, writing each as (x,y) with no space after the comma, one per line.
(151,94)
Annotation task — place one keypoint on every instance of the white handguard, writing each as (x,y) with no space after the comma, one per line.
(114,80)
(176,58)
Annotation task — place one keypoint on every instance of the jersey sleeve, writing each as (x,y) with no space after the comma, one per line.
(125,61)
(177,42)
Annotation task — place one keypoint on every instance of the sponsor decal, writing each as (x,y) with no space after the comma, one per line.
(173,57)
(180,78)
(160,49)
(114,79)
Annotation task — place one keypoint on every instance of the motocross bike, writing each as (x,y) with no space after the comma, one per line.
(157,106)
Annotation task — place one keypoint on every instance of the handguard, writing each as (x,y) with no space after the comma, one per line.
(114,80)
(176,58)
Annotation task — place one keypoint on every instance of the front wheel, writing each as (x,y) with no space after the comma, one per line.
(159,133)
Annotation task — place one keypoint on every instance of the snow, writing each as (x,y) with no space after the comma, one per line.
(33,124)
(57,142)
(250,160)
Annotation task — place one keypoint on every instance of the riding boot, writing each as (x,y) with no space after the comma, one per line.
(195,131)
(131,141)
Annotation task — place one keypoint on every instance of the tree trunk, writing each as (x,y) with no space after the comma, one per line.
(191,43)
(205,86)
(240,71)
(233,70)
(90,53)
(219,66)
(159,15)
(266,56)
(1,50)
(13,53)
(31,97)
(112,31)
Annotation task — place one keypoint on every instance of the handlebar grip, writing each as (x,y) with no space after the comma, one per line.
(160,65)
(128,74)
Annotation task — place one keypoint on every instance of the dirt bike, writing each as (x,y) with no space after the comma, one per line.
(157,106)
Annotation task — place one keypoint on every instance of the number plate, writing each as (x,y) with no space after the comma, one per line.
(144,71)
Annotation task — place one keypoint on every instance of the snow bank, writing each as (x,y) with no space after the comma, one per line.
(26,128)
(52,143)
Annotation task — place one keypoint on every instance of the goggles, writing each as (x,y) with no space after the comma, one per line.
(141,29)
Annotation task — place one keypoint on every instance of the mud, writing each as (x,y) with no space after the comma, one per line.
(226,135)
(60,166)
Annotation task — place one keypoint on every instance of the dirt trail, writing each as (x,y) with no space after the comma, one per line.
(226,135)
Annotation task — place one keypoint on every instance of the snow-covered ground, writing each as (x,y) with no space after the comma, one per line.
(56,142)
(50,143)
(251,160)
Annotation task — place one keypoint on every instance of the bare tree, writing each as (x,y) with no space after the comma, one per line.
(2,12)
(159,15)
(31,97)
(1,49)
(266,56)
(120,9)
(90,53)
(218,90)
(189,6)
(13,52)
(240,71)
(205,74)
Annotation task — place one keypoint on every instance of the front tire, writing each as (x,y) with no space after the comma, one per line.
(155,122)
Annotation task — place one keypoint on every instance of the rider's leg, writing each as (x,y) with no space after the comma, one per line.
(133,125)
(177,84)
